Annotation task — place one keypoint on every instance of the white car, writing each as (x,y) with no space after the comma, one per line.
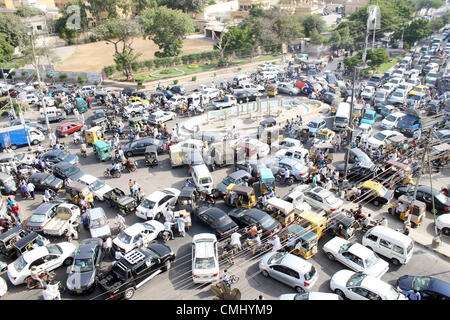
(364,131)
(45,258)
(379,139)
(98,223)
(398,96)
(390,122)
(310,296)
(156,201)
(299,153)
(368,92)
(137,235)
(205,259)
(211,93)
(31,99)
(388,87)
(191,145)
(135,107)
(289,269)
(361,286)
(286,143)
(3,287)
(396,81)
(355,256)
(262,148)
(443,223)
(161,116)
(98,187)
(319,198)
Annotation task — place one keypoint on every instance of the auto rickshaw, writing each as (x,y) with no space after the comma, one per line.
(151,156)
(267,180)
(313,221)
(303,133)
(320,147)
(94,134)
(342,225)
(271,90)
(300,241)
(324,135)
(402,170)
(240,196)
(8,238)
(402,208)
(375,192)
(81,105)
(187,200)
(357,110)
(270,135)
(76,190)
(396,143)
(283,211)
(102,150)
(29,242)
(138,122)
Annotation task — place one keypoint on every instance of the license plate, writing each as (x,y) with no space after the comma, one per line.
(79,291)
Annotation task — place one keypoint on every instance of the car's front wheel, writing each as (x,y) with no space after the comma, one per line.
(68,261)
(331,256)
(265,273)
(339,293)
(299,289)
(129,293)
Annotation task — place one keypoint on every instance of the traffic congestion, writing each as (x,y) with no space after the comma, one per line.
(108,192)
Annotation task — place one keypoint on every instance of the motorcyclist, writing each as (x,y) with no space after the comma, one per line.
(225,277)
(114,168)
(129,164)
(120,222)
(76,137)
(35,275)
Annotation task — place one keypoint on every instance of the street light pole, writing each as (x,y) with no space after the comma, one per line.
(9,94)
(350,135)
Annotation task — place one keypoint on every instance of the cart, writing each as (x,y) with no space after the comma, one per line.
(417,213)
(186,215)
(342,225)
(151,156)
(283,211)
(187,200)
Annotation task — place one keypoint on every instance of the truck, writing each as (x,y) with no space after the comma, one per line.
(227,102)
(250,87)
(16,136)
(65,213)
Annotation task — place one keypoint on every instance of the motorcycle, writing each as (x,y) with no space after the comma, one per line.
(83,150)
(46,277)
(115,174)
(76,139)
(208,198)
(130,167)
(280,179)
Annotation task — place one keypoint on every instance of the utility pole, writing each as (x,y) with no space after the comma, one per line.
(350,135)
(44,107)
(436,239)
(9,94)
(374,29)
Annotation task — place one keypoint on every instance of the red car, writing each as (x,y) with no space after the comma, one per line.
(67,128)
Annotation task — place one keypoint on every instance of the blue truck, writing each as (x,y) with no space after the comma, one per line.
(409,123)
(16,136)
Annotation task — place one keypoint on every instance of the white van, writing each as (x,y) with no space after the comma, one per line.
(202,178)
(389,243)
(53,114)
(342,117)
(240,78)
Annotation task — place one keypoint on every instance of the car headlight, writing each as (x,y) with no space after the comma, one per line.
(69,285)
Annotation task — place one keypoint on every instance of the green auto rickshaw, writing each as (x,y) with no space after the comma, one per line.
(267,180)
(102,150)
(138,121)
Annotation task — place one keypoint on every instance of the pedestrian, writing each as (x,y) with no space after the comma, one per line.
(177,128)
(85,220)
(276,243)
(140,195)
(413,295)
(76,113)
(31,188)
(82,117)
(235,240)
(181,222)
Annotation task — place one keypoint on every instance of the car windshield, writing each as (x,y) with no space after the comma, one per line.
(124,237)
(391,118)
(309,275)
(38,218)
(276,258)
(421,283)
(380,94)
(380,136)
(54,249)
(368,116)
(266,222)
(372,260)
(356,279)
(340,120)
(97,184)
(331,199)
(203,181)
(83,265)
(397,94)
(205,263)
(71,170)
(63,155)
(152,116)
(228,180)
(98,223)
(19,264)
(148,204)
(49,179)
(301,296)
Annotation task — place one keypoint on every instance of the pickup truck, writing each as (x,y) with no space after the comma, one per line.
(227,102)
(250,87)
(65,213)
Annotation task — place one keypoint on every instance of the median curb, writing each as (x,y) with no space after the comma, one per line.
(443,250)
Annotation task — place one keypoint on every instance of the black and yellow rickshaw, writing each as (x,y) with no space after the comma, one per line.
(320,147)
(77,190)
(151,156)
(271,89)
(343,225)
(300,240)
(240,196)
(402,208)
(281,210)
(138,122)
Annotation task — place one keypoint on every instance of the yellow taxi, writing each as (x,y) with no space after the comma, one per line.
(138,99)
(418,89)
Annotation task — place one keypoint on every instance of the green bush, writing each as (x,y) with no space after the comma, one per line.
(175,81)
(109,70)
(194,78)
(148,64)
(185,59)
(119,67)
(158,62)
(193,66)
(177,61)
(24,73)
(63,76)
(139,82)
(204,55)
(135,66)
(80,80)
(165,71)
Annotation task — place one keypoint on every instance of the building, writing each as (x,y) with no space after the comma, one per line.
(218,12)
(303,6)
(40,4)
(245,6)
(354,5)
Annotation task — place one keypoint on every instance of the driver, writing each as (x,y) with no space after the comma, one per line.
(34,274)
(115,167)
(401,208)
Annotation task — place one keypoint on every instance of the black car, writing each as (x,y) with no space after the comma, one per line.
(83,271)
(247,217)
(167,93)
(43,180)
(208,136)
(434,107)
(64,170)
(255,165)
(178,90)
(218,220)
(58,155)
(428,287)
(128,91)
(357,172)
(244,96)
(134,269)
(137,148)
(441,201)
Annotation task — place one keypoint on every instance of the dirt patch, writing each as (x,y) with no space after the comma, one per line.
(92,57)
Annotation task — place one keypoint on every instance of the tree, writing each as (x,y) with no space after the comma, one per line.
(415,31)
(120,33)
(352,62)
(126,58)
(315,37)
(110,8)
(377,57)
(312,22)
(235,39)
(27,11)
(73,20)
(436,24)
(14,30)
(167,28)
(141,5)
(6,49)
(186,5)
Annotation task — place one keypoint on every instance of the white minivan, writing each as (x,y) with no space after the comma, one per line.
(389,243)
(202,178)
(342,117)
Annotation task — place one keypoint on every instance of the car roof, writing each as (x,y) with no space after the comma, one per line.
(360,251)
(134,228)
(156,195)
(85,251)
(95,213)
(204,249)
(45,207)
(296,263)
(88,178)
(35,254)
(215,212)
(239,174)
(374,283)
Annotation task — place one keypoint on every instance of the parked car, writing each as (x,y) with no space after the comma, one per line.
(248,217)
(361,286)
(83,271)
(424,194)
(205,259)
(137,235)
(42,181)
(45,258)
(355,256)
(429,288)
(289,269)
(152,206)
(218,220)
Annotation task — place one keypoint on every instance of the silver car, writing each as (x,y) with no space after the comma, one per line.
(289,269)
(98,223)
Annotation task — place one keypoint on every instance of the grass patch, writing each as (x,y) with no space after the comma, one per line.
(386,66)
(15,63)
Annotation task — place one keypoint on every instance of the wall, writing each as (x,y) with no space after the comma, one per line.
(89,77)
